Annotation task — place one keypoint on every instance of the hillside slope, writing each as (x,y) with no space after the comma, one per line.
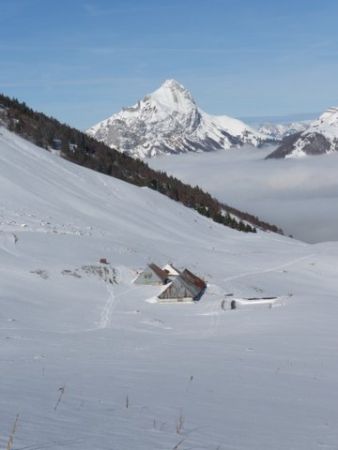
(92,363)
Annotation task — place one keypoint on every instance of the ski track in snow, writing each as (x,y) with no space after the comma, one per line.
(107,311)
(110,306)
(214,308)
(273,269)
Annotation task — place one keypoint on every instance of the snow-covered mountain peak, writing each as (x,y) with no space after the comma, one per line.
(319,138)
(330,116)
(173,96)
(175,89)
(171,83)
(169,121)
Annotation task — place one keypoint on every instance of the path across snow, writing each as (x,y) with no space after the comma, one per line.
(272,269)
(107,311)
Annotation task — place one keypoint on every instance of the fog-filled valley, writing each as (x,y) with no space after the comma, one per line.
(298,194)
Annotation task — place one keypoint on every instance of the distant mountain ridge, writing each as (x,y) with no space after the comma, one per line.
(168,121)
(279,131)
(321,137)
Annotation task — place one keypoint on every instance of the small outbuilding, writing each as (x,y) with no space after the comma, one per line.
(186,287)
(152,275)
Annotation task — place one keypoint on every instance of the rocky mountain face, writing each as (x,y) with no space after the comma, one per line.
(169,121)
(319,138)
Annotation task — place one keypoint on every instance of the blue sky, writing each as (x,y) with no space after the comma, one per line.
(82,60)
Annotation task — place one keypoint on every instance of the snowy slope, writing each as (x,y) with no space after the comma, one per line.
(89,363)
(320,137)
(169,121)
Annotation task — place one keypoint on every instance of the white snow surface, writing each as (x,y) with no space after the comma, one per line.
(169,121)
(88,360)
(327,124)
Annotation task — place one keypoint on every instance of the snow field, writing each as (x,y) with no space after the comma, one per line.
(88,362)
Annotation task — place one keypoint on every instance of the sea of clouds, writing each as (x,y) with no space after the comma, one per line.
(299,195)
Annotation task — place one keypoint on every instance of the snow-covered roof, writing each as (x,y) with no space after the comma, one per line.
(171,270)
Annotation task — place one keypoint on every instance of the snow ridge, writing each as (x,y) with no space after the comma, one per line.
(321,137)
(278,131)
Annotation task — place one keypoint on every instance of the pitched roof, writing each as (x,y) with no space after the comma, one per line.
(159,272)
(193,279)
(174,289)
(175,286)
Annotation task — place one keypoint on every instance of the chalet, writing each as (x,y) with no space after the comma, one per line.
(152,275)
(186,287)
